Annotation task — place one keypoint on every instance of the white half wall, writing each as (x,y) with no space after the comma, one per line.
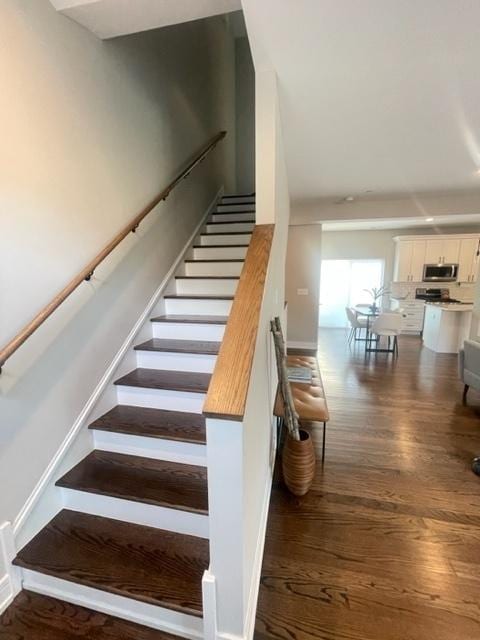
(92,131)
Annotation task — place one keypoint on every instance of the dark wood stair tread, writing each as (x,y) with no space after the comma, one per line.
(147,564)
(191,319)
(162,379)
(153,423)
(193,296)
(158,482)
(32,616)
(201,347)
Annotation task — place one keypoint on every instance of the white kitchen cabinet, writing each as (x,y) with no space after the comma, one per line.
(413,252)
(442,251)
(433,253)
(450,250)
(412,311)
(468,260)
(409,261)
(418,260)
(403,261)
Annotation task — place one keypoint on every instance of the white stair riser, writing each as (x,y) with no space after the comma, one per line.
(190,306)
(207,287)
(219,253)
(235,207)
(226,238)
(233,200)
(175,361)
(148,515)
(226,227)
(154,448)
(213,268)
(231,217)
(183,331)
(161,399)
(114,605)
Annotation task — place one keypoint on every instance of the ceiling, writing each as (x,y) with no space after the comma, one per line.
(378,95)
(110,18)
(403,223)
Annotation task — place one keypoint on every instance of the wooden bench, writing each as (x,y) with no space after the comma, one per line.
(309,399)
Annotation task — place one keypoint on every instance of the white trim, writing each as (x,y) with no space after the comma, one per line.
(10,583)
(147,515)
(118,606)
(49,472)
(209,599)
(6,593)
(302,345)
(251,612)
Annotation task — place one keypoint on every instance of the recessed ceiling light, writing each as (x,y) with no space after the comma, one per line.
(428,219)
(349,199)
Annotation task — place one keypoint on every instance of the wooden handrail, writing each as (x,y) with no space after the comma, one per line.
(228,388)
(86,273)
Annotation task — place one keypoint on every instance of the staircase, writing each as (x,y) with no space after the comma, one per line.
(132,540)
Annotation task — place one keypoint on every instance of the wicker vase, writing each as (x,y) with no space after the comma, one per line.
(298,463)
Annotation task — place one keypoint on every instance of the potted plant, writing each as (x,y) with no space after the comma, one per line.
(298,459)
(376,294)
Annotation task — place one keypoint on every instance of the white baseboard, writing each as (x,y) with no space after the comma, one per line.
(49,474)
(257,567)
(302,345)
(6,593)
(10,583)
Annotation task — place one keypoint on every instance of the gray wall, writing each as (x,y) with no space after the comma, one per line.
(91,131)
(303,272)
(245,117)
(347,245)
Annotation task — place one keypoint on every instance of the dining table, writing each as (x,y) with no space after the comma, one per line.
(366,310)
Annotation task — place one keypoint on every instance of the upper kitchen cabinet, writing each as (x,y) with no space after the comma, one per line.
(468,259)
(409,260)
(412,253)
(442,251)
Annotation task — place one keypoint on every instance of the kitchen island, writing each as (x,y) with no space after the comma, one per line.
(446,326)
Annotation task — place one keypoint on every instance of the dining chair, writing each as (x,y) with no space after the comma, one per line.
(356,324)
(390,326)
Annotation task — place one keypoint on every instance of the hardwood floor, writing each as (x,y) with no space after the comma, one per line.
(386,546)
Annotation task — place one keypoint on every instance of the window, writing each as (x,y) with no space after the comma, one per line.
(343,284)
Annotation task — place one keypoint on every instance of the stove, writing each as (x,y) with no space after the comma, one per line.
(440,296)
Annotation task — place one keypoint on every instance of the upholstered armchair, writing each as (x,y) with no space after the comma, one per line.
(469,366)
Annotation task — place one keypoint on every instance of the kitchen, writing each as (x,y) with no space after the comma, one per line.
(433,285)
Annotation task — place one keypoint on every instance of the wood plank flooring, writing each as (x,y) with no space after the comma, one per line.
(33,616)
(386,546)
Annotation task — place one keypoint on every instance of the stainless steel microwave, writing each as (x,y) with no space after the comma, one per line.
(440,272)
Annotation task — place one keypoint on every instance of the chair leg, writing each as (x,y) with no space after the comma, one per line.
(323,444)
(350,336)
(395,346)
(465,391)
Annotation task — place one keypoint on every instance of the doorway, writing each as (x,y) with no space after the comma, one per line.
(343,284)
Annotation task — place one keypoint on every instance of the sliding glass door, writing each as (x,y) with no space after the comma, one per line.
(343,284)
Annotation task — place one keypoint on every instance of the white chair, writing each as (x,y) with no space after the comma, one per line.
(356,324)
(389,325)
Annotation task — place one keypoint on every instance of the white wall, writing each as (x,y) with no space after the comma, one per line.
(92,131)
(245,117)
